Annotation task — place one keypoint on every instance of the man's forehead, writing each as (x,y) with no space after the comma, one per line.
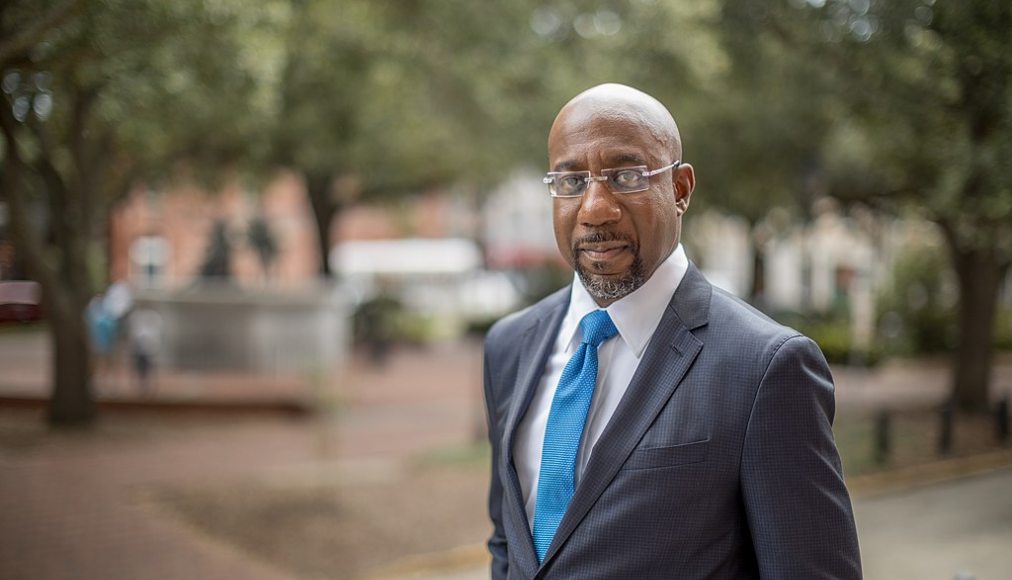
(610,157)
(615,139)
(589,118)
(606,120)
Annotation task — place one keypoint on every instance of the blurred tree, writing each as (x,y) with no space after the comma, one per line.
(97,95)
(924,120)
(916,307)
(759,130)
(733,100)
(383,98)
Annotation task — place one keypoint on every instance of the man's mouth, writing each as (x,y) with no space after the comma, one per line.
(602,251)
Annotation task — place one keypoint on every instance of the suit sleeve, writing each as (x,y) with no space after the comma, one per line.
(497,542)
(798,509)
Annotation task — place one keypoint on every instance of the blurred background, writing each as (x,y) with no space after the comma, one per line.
(248,252)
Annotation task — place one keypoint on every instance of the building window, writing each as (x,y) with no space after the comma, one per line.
(149,257)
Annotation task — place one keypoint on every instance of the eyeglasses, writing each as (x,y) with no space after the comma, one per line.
(621,180)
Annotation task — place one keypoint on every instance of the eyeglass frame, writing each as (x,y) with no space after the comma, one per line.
(588,178)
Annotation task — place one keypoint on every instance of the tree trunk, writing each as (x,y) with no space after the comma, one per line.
(72,402)
(980,273)
(57,260)
(320,191)
(64,296)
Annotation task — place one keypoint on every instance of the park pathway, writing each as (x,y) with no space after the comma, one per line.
(75,505)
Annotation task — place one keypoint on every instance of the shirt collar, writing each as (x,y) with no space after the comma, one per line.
(637,315)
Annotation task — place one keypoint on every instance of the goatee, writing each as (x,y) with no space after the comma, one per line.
(609,288)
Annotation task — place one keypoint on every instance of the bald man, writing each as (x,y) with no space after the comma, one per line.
(645,424)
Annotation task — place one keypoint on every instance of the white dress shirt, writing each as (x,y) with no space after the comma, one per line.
(636,316)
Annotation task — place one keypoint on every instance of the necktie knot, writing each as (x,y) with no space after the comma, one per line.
(597,327)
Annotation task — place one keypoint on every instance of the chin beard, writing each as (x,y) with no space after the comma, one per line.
(611,288)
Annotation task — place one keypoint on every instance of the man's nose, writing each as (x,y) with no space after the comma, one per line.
(598,205)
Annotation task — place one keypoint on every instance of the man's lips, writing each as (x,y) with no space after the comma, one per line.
(603,250)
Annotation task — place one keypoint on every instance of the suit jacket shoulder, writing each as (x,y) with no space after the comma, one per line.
(739,331)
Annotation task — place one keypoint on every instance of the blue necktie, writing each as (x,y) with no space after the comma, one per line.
(565,429)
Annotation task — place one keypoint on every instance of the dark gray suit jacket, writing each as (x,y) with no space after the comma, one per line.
(719,462)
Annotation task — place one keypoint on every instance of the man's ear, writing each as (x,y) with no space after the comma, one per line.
(684,182)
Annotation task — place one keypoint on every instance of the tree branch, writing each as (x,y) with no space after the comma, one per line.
(12,182)
(20,44)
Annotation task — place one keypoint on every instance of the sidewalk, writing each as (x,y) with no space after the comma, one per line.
(73,504)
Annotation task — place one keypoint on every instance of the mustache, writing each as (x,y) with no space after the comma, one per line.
(602,236)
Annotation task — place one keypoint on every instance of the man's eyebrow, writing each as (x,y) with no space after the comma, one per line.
(625,159)
(566,166)
(617,160)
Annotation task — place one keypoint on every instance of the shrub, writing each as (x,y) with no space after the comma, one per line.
(917,312)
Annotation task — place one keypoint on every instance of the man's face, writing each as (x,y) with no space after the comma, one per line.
(614,241)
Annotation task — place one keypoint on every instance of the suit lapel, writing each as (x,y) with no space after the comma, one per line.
(535,346)
(672,350)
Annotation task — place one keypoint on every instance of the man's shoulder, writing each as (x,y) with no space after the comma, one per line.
(512,326)
(731,314)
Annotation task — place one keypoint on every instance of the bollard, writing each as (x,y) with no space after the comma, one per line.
(883,425)
(1001,420)
(947,416)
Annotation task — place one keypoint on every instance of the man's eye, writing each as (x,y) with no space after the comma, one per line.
(628,177)
(570,181)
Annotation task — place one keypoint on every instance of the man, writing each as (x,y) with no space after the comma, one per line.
(645,424)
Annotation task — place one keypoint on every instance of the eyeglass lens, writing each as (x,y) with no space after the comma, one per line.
(625,180)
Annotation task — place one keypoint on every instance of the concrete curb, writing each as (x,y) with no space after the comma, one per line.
(925,474)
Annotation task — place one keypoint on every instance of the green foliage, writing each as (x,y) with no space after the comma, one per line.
(396,96)
(926,88)
(759,135)
(149,83)
(376,319)
(832,332)
(922,119)
(110,93)
(917,310)
(1003,329)
(98,96)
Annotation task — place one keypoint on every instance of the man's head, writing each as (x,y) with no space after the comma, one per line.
(615,241)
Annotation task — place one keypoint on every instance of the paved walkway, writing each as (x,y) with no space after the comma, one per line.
(73,504)
(940,531)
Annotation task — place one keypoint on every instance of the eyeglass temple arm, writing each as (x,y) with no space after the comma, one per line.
(662,169)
